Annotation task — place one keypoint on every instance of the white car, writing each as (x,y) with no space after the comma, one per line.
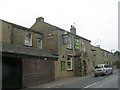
(103,69)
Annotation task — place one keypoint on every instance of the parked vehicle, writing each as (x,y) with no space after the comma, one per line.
(103,69)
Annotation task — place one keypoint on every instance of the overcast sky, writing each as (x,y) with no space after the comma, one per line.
(95,20)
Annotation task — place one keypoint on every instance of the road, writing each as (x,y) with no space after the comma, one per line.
(110,81)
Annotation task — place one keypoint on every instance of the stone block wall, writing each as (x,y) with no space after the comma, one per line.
(37,71)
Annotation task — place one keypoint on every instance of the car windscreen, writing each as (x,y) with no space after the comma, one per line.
(98,66)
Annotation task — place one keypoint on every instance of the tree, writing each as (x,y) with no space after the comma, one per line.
(117,53)
(117,64)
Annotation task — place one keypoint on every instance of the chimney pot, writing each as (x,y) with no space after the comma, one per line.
(73,29)
(40,19)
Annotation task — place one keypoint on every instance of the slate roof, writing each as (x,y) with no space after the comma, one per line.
(16,49)
(21,27)
(63,30)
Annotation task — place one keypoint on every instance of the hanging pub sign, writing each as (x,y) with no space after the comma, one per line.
(76,44)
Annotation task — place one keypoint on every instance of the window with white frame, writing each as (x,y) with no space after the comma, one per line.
(69,45)
(65,39)
(39,43)
(28,39)
(69,63)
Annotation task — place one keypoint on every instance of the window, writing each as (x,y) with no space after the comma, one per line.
(28,39)
(98,66)
(39,43)
(107,62)
(62,65)
(69,45)
(104,54)
(69,63)
(65,39)
(106,66)
(104,62)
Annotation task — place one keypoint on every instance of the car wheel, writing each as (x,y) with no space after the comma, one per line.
(106,73)
(95,75)
(111,72)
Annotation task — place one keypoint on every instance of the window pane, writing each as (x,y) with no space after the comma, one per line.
(69,63)
(65,39)
(28,39)
(69,42)
(39,43)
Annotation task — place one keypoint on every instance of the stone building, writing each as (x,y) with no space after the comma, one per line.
(24,61)
(73,51)
(101,56)
(44,53)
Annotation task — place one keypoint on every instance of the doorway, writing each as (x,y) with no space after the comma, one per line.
(84,67)
(11,72)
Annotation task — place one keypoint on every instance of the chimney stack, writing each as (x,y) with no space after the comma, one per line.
(40,19)
(73,30)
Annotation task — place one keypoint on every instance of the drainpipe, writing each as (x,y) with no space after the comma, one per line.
(11,36)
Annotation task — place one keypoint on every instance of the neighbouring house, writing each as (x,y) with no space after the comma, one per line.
(24,61)
(73,50)
(101,56)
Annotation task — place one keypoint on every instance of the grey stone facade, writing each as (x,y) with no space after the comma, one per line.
(24,63)
(45,52)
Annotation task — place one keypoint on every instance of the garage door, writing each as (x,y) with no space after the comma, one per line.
(11,72)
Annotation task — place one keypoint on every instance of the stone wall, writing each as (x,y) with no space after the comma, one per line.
(37,71)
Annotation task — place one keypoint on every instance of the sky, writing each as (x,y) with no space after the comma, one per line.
(95,20)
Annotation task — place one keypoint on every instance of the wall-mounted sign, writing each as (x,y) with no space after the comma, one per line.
(76,44)
(50,36)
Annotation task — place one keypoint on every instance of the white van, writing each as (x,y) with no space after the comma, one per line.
(103,69)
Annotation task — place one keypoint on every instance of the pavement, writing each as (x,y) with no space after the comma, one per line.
(62,81)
